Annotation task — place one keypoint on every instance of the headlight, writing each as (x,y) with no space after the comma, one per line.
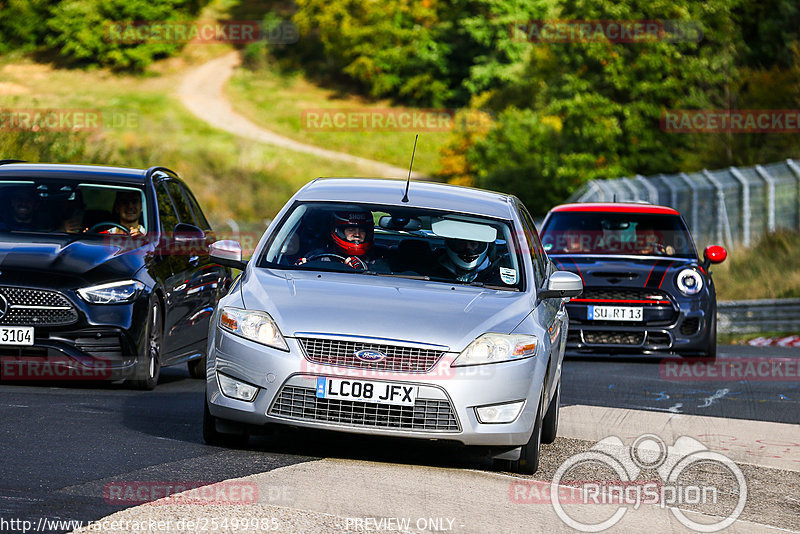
(236,389)
(494,348)
(253,325)
(690,282)
(499,413)
(112,293)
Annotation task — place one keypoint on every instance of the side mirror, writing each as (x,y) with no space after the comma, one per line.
(714,254)
(227,253)
(562,284)
(187,233)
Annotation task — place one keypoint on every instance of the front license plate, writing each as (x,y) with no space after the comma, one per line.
(16,335)
(615,313)
(366,391)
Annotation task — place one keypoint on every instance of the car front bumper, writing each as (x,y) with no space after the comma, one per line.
(444,409)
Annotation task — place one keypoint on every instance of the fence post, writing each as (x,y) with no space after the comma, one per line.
(695,200)
(723,223)
(796,171)
(736,173)
(673,191)
(770,181)
(627,183)
(652,192)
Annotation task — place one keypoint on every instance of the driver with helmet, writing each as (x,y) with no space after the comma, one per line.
(352,243)
(463,259)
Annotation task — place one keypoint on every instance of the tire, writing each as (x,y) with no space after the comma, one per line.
(212,436)
(550,421)
(148,375)
(710,354)
(528,462)
(197,368)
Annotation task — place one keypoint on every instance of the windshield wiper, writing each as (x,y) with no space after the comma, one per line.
(407,276)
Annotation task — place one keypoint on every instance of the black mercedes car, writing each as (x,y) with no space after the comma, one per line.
(645,289)
(104,274)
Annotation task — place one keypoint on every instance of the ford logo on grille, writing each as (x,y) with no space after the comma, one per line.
(369,356)
(3,306)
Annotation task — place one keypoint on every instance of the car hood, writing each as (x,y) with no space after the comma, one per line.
(382,307)
(611,271)
(82,260)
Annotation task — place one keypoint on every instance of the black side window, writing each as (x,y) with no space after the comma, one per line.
(165,210)
(535,245)
(198,213)
(185,214)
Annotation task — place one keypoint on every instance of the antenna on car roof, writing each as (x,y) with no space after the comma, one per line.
(408,180)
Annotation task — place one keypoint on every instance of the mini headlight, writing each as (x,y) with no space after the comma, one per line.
(690,282)
(112,293)
(256,326)
(494,348)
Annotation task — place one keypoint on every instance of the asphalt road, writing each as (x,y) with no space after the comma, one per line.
(63,444)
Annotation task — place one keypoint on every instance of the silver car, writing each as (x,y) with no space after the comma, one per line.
(431,315)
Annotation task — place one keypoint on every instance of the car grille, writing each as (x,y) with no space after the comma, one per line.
(624,293)
(613,338)
(37,307)
(342,353)
(426,415)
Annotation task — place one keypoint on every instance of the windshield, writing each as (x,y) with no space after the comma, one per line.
(396,241)
(71,207)
(636,234)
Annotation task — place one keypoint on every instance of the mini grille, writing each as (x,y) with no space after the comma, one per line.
(613,338)
(426,415)
(624,293)
(37,307)
(342,353)
(658,339)
(690,326)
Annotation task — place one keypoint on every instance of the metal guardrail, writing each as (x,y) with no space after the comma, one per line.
(758,316)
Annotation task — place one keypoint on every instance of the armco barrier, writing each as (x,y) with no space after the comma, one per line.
(758,316)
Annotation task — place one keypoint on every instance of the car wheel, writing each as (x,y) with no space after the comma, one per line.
(528,461)
(197,368)
(550,421)
(148,376)
(212,436)
(710,354)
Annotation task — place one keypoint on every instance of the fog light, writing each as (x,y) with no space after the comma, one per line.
(499,413)
(236,389)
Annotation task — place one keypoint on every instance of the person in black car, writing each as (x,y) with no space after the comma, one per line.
(351,242)
(22,217)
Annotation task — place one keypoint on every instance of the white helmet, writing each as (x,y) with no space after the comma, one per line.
(466,254)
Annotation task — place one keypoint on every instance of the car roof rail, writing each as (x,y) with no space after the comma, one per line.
(157,168)
(6,161)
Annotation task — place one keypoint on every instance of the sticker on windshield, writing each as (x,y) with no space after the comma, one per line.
(509,276)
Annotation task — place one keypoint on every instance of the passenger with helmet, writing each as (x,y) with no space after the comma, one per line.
(463,259)
(351,243)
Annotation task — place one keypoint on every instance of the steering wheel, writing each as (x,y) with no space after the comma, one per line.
(342,259)
(109,224)
(491,268)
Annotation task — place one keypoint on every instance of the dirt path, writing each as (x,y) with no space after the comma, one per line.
(201,91)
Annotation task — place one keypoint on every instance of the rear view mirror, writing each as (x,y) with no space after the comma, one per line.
(227,253)
(714,254)
(408,224)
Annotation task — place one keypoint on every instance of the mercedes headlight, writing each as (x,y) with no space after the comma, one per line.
(256,326)
(112,293)
(690,282)
(494,348)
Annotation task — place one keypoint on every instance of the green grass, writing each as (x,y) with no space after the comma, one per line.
(276,101)
(770,269)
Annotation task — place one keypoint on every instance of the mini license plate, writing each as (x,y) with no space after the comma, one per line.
(366,391)
(615,313)
(16,335)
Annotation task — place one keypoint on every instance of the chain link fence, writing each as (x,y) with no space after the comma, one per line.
(730,207)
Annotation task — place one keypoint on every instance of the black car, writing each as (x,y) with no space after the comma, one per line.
(645,289)
(104,273)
